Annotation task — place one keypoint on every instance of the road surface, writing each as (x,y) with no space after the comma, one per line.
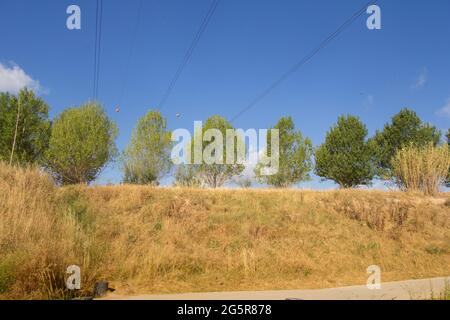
(401,290)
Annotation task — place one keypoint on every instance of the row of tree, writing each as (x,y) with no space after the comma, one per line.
(80,142)
(74,148)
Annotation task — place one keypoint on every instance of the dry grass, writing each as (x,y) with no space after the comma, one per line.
(160,240)
(422,168)
(40,236)
(443,295)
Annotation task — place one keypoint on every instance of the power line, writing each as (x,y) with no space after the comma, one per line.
(97,50)
(130,53)
(188,55)
(304,60)
(99,46)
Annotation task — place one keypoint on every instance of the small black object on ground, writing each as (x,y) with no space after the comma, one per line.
(101,288)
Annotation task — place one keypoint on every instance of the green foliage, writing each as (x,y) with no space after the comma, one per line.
(7,267)
(81,144)
(444,294)
(243,182)
(147,158)
(346,157)
(74,205)
(295,156)
(405,128)
(448,142)
(186,176)
(434,249)
(33,127)
(215,175)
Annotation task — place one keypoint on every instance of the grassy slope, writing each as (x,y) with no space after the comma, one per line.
(156,240)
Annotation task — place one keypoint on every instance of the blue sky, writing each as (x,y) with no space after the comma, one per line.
(247,45)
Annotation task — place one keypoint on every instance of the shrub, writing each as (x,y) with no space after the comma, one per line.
(434,249)
(243,182)
(421,168)
(186,176)
(7,266)
(448,143)
(447,203)
(81,144)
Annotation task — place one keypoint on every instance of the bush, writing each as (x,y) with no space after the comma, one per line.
(448,143)
(421,168)
(7,267)
(186,176)
(81,144)
(243,182)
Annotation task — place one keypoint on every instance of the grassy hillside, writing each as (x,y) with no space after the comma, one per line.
(156,240)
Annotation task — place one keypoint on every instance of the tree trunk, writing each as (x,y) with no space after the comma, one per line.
(15,131)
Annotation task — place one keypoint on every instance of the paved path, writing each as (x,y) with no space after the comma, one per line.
(401,290)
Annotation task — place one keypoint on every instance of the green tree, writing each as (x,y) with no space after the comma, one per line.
(243,182)
(295,156)
(24,127)
(81,144)
(346,157)
(448,142)
(216,174)
(147,158)
(405,128)
(186,176)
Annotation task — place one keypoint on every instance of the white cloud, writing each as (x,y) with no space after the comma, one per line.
(445,110)
(421,79)
(13,78)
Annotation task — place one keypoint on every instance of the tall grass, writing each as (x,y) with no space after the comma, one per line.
(421,168)
(160,240)
(39,236)
(444,294)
